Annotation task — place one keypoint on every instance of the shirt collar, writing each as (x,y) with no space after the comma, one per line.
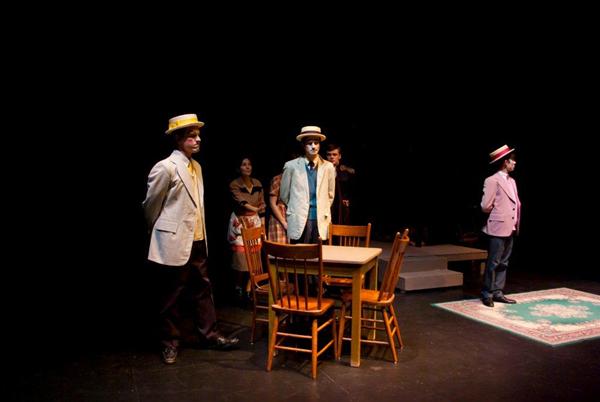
(306,161)
(181,156)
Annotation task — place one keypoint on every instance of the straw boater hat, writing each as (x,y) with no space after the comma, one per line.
(500,153)
(183,121)
(310,131)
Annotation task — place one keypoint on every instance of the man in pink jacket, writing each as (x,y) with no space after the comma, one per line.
(501,201)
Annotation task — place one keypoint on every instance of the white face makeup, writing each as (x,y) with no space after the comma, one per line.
(312,147)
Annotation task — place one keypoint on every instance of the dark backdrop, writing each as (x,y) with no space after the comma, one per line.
(418,140)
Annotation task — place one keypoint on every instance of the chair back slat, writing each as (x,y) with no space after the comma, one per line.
(391,276)
(252,245)
(350,235)
(293,266)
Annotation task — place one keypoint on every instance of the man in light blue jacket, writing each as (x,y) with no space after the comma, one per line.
(174,210)
(308,189)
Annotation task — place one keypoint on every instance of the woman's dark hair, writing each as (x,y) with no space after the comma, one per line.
(240,160)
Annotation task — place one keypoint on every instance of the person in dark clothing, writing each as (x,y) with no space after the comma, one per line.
(344,179)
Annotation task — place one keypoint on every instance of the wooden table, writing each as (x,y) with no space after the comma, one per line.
(352,262)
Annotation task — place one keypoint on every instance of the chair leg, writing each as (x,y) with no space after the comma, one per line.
(341,331)
(335,338)
(386,321)
(397,327)
(315,346)
(253,322)
(272,344)
(372,334)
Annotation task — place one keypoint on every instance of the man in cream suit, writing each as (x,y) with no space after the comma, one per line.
(501,201)
(308,189)
(174,210)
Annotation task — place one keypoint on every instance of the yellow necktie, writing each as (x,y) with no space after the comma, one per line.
(198,232)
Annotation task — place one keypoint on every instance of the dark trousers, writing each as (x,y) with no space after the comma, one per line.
(340,213)
(187,284)
(310,234)
(494,277)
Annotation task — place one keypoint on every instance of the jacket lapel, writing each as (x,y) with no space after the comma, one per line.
(186,177)
(320,173)
(505,185)
(303,175)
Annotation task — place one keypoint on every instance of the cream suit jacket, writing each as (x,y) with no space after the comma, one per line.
(501,200)
(170,208)
(295,194)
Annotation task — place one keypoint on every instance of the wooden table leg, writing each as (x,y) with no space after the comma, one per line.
(373,278)
(356,321)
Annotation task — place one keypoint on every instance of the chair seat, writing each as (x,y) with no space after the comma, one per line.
(264,288)
(294,307)
(340,281)
(337,281)
(368,296)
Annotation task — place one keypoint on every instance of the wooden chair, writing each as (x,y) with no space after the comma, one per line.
(259,280)
(380,300)
(292,286)
(349,236)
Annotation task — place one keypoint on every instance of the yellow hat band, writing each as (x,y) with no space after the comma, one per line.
(178,123)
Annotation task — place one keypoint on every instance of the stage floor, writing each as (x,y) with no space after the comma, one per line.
(446,358)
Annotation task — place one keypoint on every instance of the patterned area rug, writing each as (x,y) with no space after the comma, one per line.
(554,316)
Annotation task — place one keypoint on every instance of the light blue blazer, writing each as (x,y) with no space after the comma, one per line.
(295,194)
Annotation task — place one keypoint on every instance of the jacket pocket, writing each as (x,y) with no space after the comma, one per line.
(165,225)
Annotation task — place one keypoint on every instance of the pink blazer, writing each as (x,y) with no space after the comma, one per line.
(502,204)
